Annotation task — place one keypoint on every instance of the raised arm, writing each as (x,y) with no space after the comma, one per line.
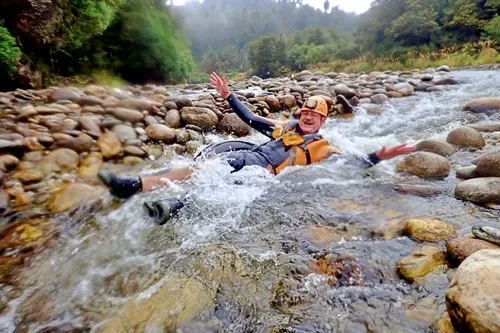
(261,124)
(374,158)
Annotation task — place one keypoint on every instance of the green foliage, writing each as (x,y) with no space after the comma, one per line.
(492,29)
(267,55)
(9,51)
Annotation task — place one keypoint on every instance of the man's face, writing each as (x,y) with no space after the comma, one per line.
(310,122)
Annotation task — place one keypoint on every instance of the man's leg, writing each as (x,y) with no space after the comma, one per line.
(124,187)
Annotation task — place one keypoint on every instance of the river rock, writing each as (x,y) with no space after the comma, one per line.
(135,104)
(150,120)
(64,160)
(379,99)
(421,262)
(94,90)
(4,201)
(473,296)
(173,119)
(287,101)
(135,151)
(404,86)
(93,109)
(160,132)
(424,86)
(72,196)
(91,124)
(418,190)
(482,105)
(192,146)
(425,165)
(273,103)
(342,89)
(132,160)
(63,93)
(436,146)
(443,68)
(467,172)
(32,144)
(80,144)
(201,117)
(461,248)
(183,102)
(69,124)
(169,105)
(90,166)
(429,230)
(8,162)
(373,109)
(28,175)
(89,101)
(232,124)
(130,115)
(447,81)
(479,190)
(488,165)
(109,144)
(182,137)
(465,137)
(124,132)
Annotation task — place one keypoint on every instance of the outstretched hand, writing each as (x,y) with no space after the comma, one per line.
(388,153)
(220,84)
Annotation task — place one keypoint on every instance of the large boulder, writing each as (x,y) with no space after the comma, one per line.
(481,105)
(479,190)
(201,117)
(473,296)
(436,146)
(425,165)
(232,124)
(489,165)
(465,137)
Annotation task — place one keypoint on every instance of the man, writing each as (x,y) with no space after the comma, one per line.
(292,143)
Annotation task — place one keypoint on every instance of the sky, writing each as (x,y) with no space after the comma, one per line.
(358,6)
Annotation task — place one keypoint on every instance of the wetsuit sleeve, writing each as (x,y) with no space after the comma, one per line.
(260,124)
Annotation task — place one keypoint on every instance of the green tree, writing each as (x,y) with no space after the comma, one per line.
(492,29)
(9,52)
(267,55)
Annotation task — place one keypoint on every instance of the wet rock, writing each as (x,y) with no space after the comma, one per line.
(465,137)
(443,68)
(129,115)
(60,160)
(418,190)
(169,105)
(182,137)
(135,104)
(468,172)
(429,230)
(461,248)
(425,165)
(28,176)
(443,325)
(150,120)
(109,144)
(485,126)
(379,99)
(420,263)
(373,109)
(287,101)
(91,123)
(135,151)
(80,144)
(89,101)
(479,190)
(63,93)
(90,166)
(4,201)
(232,124)
(183,102)
(273,103)
(473,297)
(201,117)
(33,156)
(173,119)
(73,196)
(93,109)
(342,89)
(192,146)
(404,86)
(447,81)
(341,271)
(482,105)
(7,145)
(132,160)
(488,165)
(69,124)
(160,132)
(124,132)
(436,146)
(425,310)
(394,94)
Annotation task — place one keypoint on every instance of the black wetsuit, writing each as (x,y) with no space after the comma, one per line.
(261,154)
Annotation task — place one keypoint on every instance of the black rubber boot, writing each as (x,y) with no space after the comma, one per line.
(163,211)
(122,187)
(345,103)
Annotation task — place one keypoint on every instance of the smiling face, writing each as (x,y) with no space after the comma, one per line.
(310,122)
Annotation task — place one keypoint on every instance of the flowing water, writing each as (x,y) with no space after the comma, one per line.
(281,225)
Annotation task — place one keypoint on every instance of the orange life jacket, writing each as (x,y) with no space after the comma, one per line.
(280,155)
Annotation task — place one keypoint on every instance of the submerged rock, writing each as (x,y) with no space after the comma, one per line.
(429,230)
(421,262)
(482,105)
(73,196)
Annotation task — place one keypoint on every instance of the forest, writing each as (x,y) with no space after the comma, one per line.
(143,41)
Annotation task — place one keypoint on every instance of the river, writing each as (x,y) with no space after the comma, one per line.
(278,226)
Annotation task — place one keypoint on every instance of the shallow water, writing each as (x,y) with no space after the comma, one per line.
(107,256)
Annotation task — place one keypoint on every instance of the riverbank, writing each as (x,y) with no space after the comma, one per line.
(295,252)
